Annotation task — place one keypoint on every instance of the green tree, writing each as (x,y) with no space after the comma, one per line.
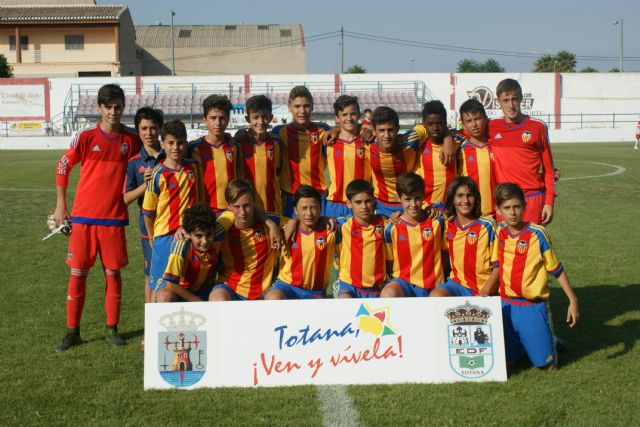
(561,62)
(614,70)
(6,70)
(468,65)
(589,70)
(355,69)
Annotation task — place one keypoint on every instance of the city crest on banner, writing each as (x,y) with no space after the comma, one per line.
(182,356)
(470,340)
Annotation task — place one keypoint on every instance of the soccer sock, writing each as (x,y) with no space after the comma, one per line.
(76,292)
(113,292)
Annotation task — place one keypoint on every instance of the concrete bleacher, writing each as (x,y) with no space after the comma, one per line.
(187,104)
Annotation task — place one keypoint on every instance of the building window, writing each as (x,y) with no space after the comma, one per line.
(74,42)
(24,42)
(285,33)
(184,34)
(263,27)
(230,27)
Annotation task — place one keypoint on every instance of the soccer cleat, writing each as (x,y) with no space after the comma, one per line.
(71,339)
(113,337)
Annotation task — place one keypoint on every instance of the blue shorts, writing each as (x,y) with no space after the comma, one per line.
(336,210)
(294,292)
(146,254)
(234,296)
(387,209)
(202,293)
(287,205)
(527,326)
(409,289)
(341,288)
(455,289)
(159,259)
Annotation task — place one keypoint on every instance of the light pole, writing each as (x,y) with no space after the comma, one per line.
(621,22)
(411,65)
(173,50)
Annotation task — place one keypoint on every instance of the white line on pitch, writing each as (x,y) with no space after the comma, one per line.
(618,170)
(33,190)
(337,406)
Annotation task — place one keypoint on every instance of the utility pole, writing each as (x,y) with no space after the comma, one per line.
(173,49)
(621,22)
(341,50)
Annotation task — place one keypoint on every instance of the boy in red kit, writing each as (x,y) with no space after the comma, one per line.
(99,212)
(523,155)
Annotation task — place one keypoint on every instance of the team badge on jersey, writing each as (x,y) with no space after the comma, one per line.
(470,340)
(270,153)
(182,348)
(427,234)
(321,243)
(259,235)
(472,237)
(526,136)
(124,148)
(228,155)
(378,230)
(360,152)
(315,138)
(522,247)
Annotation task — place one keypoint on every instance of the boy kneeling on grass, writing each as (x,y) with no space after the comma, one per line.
(526,256)
(190,272)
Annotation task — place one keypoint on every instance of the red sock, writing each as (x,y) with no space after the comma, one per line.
(76,292)
(112,296)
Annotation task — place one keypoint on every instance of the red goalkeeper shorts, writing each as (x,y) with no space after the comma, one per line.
(87,240)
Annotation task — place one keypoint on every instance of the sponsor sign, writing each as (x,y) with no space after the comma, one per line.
(278,343)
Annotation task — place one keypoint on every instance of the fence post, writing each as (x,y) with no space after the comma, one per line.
(614,120)
(580,120)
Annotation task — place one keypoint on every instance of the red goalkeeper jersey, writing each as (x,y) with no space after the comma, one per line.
(104,158)
(523,155)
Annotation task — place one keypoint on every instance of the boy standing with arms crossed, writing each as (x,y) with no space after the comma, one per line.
(99,213)
(526,256)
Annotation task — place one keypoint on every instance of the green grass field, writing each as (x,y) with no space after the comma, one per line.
(597,236)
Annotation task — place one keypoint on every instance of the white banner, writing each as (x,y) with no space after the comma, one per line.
(22,101)
(278,343)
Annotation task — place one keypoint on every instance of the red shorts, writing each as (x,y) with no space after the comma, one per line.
(87,241)
(533,211)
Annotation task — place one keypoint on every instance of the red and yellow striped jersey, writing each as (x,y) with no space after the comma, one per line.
(190,268)
(472,251)
(307,264)
(169,193)
(363,252)
(437,176)
(478,164)
(248,260)
(304,158)
(525,259)
(260,161)
(416,251)
(387,167)
(347,161)
(218,165)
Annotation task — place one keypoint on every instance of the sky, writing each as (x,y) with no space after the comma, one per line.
(543,27)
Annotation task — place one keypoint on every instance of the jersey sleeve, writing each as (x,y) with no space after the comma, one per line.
(226,220)
(131,178)
(492,230)
(388,242)
(175,269)
(150,202)
(547,166)
(70,158)
(409,139)
(549,257)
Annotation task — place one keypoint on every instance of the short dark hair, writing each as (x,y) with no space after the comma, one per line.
(306,192)
(174,128)
(358,186)
(219,102)
(110,92)
(506,191)
(410,184)
(385,115)
(343,101)
(148,113)
(462,181)
(472,106)
(367,110)
(300,92)
(199,217)
(508,85)
(236,189)
(434,107)
(258,103)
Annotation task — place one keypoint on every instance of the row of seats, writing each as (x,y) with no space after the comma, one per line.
(187,104)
